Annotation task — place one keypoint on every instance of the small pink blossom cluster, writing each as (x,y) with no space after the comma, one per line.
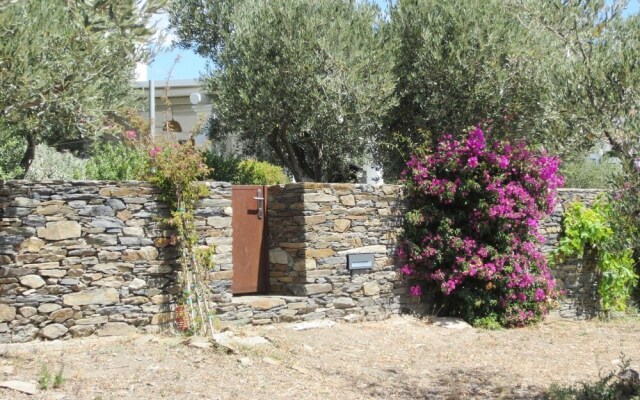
(476,241)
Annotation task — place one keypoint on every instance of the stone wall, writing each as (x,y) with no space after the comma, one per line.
(578,279)
(84,257)
(313,227)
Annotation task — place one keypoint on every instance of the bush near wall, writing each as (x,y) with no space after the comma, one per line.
(471,235)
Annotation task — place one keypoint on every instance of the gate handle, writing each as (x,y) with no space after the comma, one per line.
(260,203)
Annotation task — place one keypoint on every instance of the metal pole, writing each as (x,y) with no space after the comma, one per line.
(152,110)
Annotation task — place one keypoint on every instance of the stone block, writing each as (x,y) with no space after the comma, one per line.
(32,281)
(163,318)
(53,331)
(48,308)
(61,315)
(348,200)
(81,330)
(341,225)
(343,302)
(32,245)
(93,296)
(278,256)
(318,198)
(7,313)
(145,253)
(319,253)
(219,222)
(116,329)
(60,230)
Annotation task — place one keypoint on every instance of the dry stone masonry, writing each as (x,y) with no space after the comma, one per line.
(84,257)
(314,227)
(78,258)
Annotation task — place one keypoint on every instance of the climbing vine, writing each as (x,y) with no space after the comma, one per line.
(589,230)
(175,170)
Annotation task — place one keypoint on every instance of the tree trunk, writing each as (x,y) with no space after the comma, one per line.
(29,155)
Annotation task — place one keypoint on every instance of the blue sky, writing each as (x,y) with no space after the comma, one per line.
(191,66)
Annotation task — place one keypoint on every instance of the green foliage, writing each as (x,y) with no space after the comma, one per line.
(117,161)
(252,172)
(590,229)
(52,164)
(222,168)
(458,63)
(11,150)
(176,169)
(613,386)
(47,381)
(66,68)
(303,83)
(589,174)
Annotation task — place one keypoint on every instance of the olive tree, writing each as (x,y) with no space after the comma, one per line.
(304,83)
(66,69)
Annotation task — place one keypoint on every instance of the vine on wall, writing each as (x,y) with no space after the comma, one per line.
(589,230)
(175,170)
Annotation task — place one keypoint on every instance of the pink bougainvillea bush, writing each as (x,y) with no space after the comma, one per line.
(471,236)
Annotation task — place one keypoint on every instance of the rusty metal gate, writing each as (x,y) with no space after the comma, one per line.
(250,248)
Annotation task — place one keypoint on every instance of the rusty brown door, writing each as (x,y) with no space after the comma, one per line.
(249,239)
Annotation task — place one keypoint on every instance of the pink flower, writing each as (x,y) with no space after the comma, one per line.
(415,290)
(155,151)
(504,162)
(472,162)
(130,134)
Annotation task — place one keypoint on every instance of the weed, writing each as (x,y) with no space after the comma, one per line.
(47,381)
(623,384)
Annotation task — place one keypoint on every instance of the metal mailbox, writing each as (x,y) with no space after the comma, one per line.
(360,261)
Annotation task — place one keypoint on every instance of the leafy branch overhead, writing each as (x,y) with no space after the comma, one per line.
(66,68)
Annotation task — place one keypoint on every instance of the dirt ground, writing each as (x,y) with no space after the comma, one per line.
(400,358)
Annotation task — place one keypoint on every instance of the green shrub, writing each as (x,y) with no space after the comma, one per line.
(223,168)
(52,164)
(590,229)
(117,162)
(589,174)
(252,172)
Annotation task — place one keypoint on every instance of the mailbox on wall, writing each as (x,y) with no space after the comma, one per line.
(360,261)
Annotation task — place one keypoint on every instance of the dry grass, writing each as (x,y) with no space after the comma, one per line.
(401,358)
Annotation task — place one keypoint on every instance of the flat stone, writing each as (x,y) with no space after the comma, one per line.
(60,230)
(53,331)
(375,249)
(116,329)
(262,303)
(32,281)
(7,313)
(47,308)
(133,231)
(318,198)
(103,296)
(303,326)
(371,289)
(97,211)
(219,222)
(278,256)
(348,200)
(343,302)
(20,386)
(52,208)
(110,281)
(145,253)
(105,223)
(93,320)
(7,370)
(137,284)
(135,300)
(25,311)
(341,225)
(200,342)
(53,273)
(81,330)
(314,288)
(319,253)
(61,315)
(32,245)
